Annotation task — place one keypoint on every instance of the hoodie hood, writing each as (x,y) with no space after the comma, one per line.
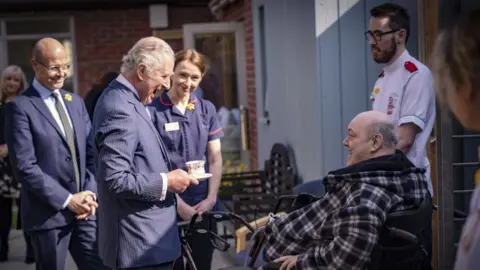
(395,173)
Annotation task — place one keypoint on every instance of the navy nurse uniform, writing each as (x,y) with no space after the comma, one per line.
(196,128)
(189,141)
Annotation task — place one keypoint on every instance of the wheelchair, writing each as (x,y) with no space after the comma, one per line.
(400,245)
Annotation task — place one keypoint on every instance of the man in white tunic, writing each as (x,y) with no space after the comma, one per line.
(404,89)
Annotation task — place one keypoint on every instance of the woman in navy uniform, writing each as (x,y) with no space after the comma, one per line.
(190,130)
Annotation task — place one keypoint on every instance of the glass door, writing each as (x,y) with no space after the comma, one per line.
(224,84)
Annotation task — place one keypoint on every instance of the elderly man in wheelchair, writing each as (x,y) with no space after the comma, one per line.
(372,215)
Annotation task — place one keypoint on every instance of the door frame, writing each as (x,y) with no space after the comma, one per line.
(189,31)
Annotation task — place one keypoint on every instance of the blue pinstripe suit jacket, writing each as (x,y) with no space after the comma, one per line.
(135,227)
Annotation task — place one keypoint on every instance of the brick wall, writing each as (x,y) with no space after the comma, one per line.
(241,10)
(252,94)
(104,36)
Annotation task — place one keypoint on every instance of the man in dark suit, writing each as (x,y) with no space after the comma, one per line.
(48,134)
(137,220)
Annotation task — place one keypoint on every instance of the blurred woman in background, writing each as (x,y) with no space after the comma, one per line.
(12,82)
(456,68)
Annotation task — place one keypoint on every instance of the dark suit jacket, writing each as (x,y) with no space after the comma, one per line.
(41,158)
(135,227)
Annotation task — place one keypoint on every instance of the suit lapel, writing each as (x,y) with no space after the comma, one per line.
(39,104)
(142,110)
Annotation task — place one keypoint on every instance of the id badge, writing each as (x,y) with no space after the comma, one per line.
(172,126)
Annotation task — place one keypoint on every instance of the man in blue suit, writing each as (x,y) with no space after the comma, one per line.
(48,134)
(137,220)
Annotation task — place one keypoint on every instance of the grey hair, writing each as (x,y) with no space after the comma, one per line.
(151,52)
(388,132)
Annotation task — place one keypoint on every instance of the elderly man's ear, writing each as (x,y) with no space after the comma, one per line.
(377,142)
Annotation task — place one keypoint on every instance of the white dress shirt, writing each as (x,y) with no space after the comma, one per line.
(121,79)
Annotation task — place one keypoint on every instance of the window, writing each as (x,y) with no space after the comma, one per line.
(20,35)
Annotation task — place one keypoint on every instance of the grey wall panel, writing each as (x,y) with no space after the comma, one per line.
(293,99)
(319,74)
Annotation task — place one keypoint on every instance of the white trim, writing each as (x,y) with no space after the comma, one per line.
(3,31)
(37,36)
(74,55)
(3,55)
(35,18)
(3,47)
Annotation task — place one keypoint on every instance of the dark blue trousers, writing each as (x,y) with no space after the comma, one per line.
(51,246)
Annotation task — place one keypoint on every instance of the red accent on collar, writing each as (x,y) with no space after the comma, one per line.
(411,67)
(163,102)
(381,74)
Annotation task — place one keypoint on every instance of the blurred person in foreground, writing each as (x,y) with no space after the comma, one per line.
(340,230)
(456,68)
(136,182)
(12,82)
(47,130)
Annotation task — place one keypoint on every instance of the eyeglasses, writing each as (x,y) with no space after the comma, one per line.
(57,68)
(377,35)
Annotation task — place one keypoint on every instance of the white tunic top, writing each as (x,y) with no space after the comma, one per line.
(405,91)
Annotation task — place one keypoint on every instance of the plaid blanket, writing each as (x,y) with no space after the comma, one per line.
(340,230)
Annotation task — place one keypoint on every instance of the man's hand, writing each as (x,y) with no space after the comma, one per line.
(77,203)
(93,207)
(289,262)
(185,211)
(179,180)
(205,205)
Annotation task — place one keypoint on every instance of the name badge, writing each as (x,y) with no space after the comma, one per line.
(172,126)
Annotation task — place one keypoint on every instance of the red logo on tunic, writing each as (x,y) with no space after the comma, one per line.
(390,106)
(411,67)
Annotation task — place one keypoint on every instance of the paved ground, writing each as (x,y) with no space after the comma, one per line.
(17,252)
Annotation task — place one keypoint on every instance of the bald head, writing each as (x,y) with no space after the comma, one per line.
(50,63)
(47,48)
(370,134)
(376,122)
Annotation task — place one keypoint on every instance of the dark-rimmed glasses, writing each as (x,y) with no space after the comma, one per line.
(57,68)
(377,35)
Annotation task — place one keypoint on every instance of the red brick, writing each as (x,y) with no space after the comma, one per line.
(104,36)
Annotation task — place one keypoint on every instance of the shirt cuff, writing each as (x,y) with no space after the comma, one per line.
(412,119)
(67,201)
(164,186)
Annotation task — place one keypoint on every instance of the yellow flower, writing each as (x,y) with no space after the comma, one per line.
(68,97)
(376,90)
(190,106)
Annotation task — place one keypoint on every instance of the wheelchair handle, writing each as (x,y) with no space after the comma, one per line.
(397,233)
(219,216)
